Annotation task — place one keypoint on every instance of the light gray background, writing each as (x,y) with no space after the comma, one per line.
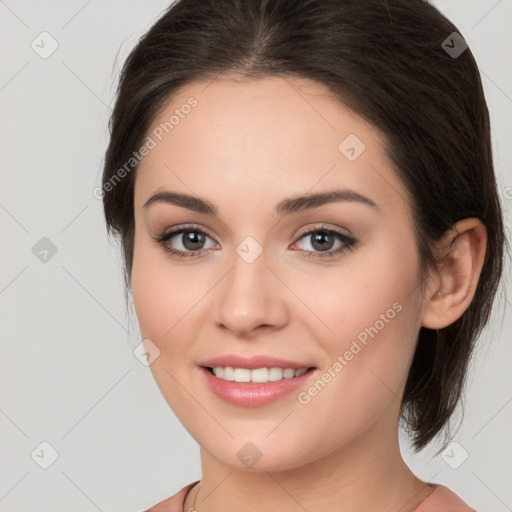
(67,372)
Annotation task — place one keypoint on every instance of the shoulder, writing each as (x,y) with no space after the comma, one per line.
(175,502)
(443,499)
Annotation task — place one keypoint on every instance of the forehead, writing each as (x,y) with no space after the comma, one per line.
(250,140)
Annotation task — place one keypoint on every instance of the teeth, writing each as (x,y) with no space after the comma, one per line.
(258,375)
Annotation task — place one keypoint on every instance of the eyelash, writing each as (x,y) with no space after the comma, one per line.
(348,242)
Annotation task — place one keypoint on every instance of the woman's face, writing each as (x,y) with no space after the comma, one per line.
(254,283)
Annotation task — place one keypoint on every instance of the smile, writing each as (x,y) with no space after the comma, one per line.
(256,387)
(258,375)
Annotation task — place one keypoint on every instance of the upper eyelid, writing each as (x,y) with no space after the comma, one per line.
(323,227)
(187,227)
(307,231)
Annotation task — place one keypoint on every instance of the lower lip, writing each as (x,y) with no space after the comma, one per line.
(252,394)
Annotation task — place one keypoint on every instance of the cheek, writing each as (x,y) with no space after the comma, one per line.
(163,293)
(372,308)
(148,298)
(367,287)
(363,378)
(161,299)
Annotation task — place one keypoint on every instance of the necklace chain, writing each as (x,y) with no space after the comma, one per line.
(195,498)
(199,486)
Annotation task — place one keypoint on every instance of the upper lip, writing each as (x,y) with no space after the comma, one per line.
(251,363)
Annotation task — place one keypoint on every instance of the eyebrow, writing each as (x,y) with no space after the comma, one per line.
(285,207)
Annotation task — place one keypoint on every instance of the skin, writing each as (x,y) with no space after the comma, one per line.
(247,145)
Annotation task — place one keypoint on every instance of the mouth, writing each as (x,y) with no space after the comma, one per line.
(256,387)
(257,375)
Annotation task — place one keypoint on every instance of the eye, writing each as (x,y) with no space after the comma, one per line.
(190,241)
(322,240)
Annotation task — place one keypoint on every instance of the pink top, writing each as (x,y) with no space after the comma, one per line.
(441,500)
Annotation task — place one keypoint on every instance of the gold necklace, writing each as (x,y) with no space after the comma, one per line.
(195,498)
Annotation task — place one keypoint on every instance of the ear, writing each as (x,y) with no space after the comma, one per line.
(450,292)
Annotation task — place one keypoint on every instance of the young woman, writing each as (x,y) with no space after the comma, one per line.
(305,195)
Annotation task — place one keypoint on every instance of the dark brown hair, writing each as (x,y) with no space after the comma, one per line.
(385,60)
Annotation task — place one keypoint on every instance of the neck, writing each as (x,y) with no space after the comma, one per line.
(367,474)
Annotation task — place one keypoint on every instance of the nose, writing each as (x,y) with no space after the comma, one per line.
(251,299)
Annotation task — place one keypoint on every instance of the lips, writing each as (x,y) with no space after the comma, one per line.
(249,394)
(253,394)
(253,362)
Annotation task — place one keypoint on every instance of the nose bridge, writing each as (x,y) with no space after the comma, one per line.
(248,299)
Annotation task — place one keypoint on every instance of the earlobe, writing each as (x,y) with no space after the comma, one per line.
(459,268)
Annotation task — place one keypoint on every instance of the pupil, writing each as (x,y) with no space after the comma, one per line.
(322,235)
(192,239)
